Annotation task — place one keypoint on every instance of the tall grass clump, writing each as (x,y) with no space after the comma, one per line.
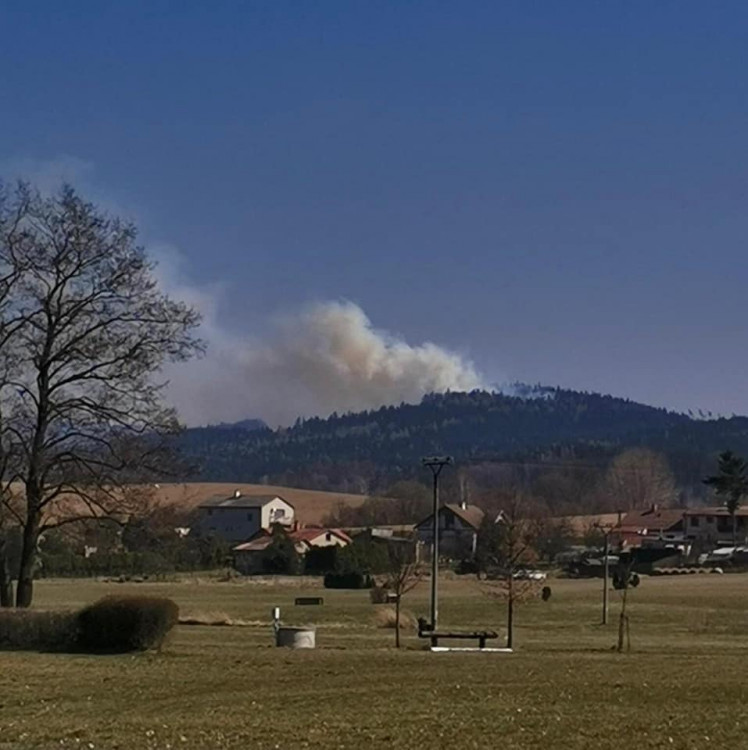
(126,623)
(387,618)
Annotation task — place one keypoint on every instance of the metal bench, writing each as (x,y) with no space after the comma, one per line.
(435,635)
(481,635)
(308,600)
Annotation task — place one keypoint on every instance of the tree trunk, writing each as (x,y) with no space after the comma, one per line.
(734,529)
(623,620)
(6,581)
(510,613)
(397,622)
(27,566)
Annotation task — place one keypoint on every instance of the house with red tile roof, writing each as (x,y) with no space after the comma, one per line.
(248,555)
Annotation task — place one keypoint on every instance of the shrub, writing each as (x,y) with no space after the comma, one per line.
(280,557)
(353,580)
(126,623)
(29,629)
(467,567)
(320,560)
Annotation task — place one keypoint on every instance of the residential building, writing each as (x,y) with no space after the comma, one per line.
(239,517)
(248,555)
(712,527)
(458,525)
(654,526)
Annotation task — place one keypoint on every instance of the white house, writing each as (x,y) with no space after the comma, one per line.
(458,529)
(240,517)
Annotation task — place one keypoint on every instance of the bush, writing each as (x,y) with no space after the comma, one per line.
(363,556)
(320,560)
(280,556)
(467,567)
(353,580)
(126,623)
(29,629)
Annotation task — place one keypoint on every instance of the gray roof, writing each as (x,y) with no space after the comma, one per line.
(243,501)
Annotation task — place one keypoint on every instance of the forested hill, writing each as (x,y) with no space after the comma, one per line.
(379,446)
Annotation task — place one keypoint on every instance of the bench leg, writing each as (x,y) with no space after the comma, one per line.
(482,642)
(434,641)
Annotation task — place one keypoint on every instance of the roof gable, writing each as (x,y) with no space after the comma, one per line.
(471,515)
(653,519)
(241,501)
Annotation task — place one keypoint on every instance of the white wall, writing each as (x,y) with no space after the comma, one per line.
(277,511)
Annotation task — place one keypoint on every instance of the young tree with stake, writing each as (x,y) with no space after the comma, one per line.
(87,332)
(506,544)
(403,575)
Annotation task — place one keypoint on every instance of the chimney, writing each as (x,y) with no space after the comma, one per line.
(237,493)
(463,504)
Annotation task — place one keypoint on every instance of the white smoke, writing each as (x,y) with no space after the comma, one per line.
(326,358)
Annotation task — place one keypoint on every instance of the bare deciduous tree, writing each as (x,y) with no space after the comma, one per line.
(86,333)
(403,575)
(639,478)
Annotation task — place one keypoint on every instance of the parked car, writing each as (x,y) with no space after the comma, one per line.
(530,575)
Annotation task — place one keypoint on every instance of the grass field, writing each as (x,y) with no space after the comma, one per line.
(682,686)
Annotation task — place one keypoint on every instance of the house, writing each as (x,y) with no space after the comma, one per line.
(239,517)
(712,527)
(458,529)
(248,556)
(654,526)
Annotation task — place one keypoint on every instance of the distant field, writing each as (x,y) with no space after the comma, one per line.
(213,687)
(311,506)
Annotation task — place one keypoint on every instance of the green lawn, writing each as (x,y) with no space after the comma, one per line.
(681,687)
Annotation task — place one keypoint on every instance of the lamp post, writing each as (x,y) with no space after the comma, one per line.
(606,534)
(436,464)
(606,530)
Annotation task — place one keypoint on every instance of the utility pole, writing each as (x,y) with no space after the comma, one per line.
(436,464)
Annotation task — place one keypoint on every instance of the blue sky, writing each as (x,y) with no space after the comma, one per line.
(557,191)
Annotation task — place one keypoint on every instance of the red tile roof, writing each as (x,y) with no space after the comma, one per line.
(653,519)
(308,533)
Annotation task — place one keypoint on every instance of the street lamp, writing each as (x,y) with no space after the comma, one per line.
(606,530)
(436,464)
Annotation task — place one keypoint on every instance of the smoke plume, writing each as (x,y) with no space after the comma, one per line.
(326,358)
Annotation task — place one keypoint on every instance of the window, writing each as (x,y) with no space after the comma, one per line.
(694,520)
(210,511)
(278,513)
(449,521)
(710,519)
(249,516)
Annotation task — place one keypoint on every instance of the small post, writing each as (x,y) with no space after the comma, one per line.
(276,615)
(605,577)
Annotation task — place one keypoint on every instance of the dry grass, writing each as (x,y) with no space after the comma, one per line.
(385,618)
(218,619)
(226,687)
